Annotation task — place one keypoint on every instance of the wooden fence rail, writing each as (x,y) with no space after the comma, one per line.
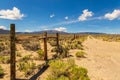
(13,54)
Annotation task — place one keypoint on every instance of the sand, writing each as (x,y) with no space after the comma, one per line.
(102,59)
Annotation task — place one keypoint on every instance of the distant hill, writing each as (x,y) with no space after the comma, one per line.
(90,33)
(4,31)
(48,31)
(35,32)
(40,32)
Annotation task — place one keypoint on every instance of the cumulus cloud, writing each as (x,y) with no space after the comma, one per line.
(28,30)
(66,17)
(52,15)
(61,29)
(13,14)
(114,15)
(86,14)
(3,27)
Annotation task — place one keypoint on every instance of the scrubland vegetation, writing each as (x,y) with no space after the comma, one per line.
(66,70)
(108,37)
(80,54)
(1,72)
(30,55)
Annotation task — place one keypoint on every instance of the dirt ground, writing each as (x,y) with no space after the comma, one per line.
(102,59)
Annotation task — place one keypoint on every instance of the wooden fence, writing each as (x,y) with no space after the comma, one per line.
(13,53)
(13,49)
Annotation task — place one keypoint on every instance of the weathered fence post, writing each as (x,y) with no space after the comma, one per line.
(57,39)
(74,36)
(12,54)
(45,45)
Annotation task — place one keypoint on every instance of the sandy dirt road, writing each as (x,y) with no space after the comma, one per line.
(102,59)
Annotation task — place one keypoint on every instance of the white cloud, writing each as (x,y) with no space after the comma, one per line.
(114,15)
(85,15)
(68,22)
(58,24)
(46,29)
(13,14)
(66,17)
(61,29)
(28,30)
(3,27)
(52,15)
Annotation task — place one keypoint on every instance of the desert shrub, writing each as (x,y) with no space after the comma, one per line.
(1,72)
(26,67)
(5,52)
(4,48)
(78,73)
(40,53)
(59,78)
(80,54)
(63,51)
(18,54)
(82,39)
(61,70)
(31,45)
(39,66)
(52,42)
(5,44)
(26,58)
(4,59)
(75,44)
(108,37)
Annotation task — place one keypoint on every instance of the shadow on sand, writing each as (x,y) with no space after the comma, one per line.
(34,77)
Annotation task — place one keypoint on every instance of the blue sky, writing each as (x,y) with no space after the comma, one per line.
(62,15)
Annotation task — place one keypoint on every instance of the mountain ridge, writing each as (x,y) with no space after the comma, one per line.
(48,31)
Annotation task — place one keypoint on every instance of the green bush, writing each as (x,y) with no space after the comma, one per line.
(1,72)
(26,58)
(80,54)
(82,39)
(78,73)
(75,44)
(59,78)
(26,67)
(39,66)
(5,52)
(4,48)
(31,45)
(40,53)
(63,51)
(61,70)
(52,42)
(4,59)
(18,54)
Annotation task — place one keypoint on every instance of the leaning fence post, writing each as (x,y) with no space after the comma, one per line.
(12,54)
(57,37)
(45,45)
